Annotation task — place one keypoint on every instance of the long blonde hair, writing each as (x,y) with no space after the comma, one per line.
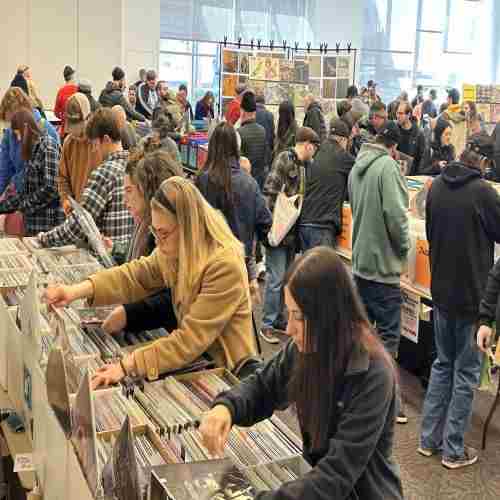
(202,231)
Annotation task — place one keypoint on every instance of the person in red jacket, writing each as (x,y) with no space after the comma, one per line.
(233,108)
(65,92)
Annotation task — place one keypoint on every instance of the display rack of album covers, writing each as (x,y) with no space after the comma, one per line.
(279,78)
(487,99)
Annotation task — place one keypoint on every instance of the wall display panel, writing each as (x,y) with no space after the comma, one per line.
(281,75)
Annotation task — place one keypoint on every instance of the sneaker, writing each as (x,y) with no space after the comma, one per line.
(268,335)
(402,418)
(470,457)
(428,452)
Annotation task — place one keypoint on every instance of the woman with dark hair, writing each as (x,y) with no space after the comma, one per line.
(38,200)
(236,194)
(341,380)
(287,128)
(20,81)
(205,107)
(441,151)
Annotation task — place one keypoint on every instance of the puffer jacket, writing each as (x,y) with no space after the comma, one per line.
(112,95)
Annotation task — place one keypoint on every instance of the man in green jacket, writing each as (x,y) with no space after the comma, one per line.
(380,238)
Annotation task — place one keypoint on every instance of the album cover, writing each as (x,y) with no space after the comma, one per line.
(315,67)
(230,61)
(342,86)
(83,433)
(93,315)
(287,73)
(276,93)
(264,68)
(57,389)
(301,71)
(244,63)
(207,480)
(329,89)
(229,83)
(343,67)
(329,67)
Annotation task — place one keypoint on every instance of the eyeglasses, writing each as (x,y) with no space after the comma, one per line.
(164,235)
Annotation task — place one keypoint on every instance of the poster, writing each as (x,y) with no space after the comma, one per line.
(469,92)
(330,67)
(314,87)
(264,68)
(410,315)
(287,69)
(276,93)
(342,86)
(485,111)
(329,89)
(243,63)
(343,67)
(229,83)
(315,67)
(301,71)
(230,61)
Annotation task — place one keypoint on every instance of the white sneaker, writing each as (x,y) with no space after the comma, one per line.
(470,457)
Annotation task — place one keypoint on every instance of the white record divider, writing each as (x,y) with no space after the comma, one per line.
(4,337)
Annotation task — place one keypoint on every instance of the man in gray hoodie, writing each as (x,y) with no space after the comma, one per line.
(380,238)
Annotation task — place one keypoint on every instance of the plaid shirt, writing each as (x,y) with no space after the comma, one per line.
(103,199)
(39,199)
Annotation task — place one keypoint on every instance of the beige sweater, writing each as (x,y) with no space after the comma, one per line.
(217,319)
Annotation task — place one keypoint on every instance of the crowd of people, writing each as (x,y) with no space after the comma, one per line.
(192,253)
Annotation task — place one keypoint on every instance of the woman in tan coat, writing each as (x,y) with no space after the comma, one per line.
(203,264)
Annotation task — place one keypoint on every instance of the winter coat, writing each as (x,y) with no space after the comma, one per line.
(147,100)
(112,95)
(413,144)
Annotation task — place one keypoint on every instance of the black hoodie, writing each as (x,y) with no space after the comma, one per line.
(112,95)
(462,224)
(314,119)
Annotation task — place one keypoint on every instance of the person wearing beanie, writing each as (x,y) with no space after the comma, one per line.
(85,87)
(380,236)
(112,95)
(233,108)
(78,158)
(253,138)
(65,92)
(320,221)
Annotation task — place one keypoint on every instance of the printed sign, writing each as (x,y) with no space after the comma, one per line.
(410,314)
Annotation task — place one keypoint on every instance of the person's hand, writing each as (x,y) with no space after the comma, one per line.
(67,207)
(255,294)
(214,429)
(442,164)
(107,375)
(116,321)
(484,338)
(59,295)
(246,165)
(108,243)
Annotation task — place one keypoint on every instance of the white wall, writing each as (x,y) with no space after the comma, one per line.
(93,36)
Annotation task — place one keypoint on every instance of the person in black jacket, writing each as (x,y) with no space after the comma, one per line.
(236,194)
(265,118)
(20,81)
(326,190)
(412,141)
(147,95)
(85,87)
(440,153)
(341,380)
(495,137)
(112,95)
(462,214)
(253,139)
(488,309)
(314,116)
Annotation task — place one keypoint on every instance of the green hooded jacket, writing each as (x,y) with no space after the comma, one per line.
(379,203)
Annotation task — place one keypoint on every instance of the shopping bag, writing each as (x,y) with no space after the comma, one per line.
(286,212)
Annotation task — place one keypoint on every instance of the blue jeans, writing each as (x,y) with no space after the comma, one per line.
(383,305)
(315,236)
(454,375)
(277,261)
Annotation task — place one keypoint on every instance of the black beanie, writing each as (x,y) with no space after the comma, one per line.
(248,103)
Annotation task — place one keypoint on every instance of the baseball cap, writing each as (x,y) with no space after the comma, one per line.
(390,132)
(339,127)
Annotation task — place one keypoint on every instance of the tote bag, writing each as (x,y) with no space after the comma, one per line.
(286,212)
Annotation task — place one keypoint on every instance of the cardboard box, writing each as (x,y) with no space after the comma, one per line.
(345,237)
